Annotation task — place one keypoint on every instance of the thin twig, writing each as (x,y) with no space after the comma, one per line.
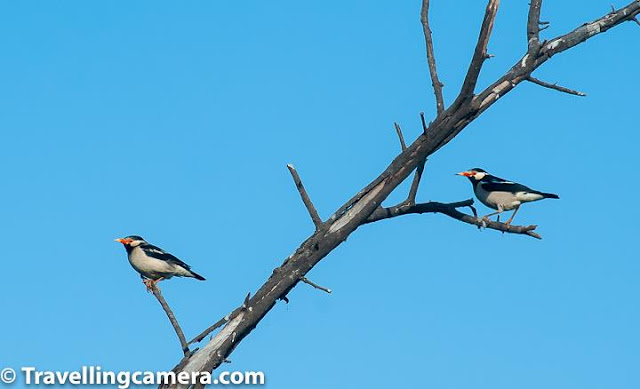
(635,19)
(413,192)
(400,136)
(424,124)
(533,25)
(172,318)
(480,53)
(431,58)
(212,328)
(555,87)
(305,197)
(309,282)
(222,321)
(450,210)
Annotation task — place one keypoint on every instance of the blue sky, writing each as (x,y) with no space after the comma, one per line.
(175,121)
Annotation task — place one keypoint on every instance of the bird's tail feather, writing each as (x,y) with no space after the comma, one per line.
(196,276)
(550,196)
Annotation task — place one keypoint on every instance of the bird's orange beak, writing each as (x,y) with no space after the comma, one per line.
(124,241)
(466,174)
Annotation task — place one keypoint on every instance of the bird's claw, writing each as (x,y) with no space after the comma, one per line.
(149,284)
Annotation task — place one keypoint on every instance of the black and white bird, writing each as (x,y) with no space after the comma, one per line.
(153,263)
(500,194)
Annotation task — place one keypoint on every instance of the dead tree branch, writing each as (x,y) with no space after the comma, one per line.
(555,87)
(480,53)
(533,25)
(305,197)
(360,208)
(431,58)
(172,318)
(449,209)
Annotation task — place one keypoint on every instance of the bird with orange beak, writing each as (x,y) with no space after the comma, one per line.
(153,263)
(500,194)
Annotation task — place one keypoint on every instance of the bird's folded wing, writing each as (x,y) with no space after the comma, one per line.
(505,186)
(158,253)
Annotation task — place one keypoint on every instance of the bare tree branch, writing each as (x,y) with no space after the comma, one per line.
(480,53)
(449,209)
(309,282)
(530,62)
(431,58)
(555,87)
(588,30)
(305,197)
(172,318)
(400,136)
(533,25)
(358,210)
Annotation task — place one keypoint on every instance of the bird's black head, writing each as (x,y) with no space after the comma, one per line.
(474,175)
(130,242)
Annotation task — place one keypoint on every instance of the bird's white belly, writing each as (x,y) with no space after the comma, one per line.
(505,201)
(150,267)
